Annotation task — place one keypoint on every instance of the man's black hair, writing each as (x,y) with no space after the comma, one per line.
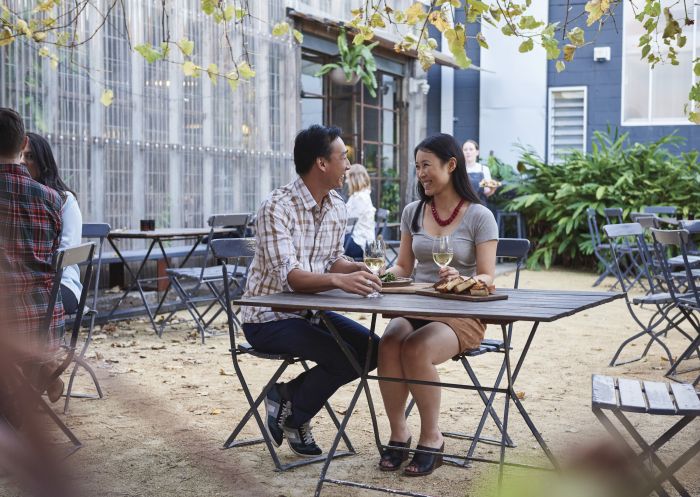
(12,133)
(312,143)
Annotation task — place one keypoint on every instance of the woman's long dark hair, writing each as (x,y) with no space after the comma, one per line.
(445,147)
(46,165)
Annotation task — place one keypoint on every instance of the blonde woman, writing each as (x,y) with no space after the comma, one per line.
(359,206)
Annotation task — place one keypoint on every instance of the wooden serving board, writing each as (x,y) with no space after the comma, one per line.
(431,292)
(406,289)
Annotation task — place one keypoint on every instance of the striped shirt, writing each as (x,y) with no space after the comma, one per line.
(30,229)
(293,232)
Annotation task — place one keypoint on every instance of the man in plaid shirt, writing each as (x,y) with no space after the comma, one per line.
(30,229)
(300,235)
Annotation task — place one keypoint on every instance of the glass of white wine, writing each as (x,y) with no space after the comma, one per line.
(375,251)
(442,250)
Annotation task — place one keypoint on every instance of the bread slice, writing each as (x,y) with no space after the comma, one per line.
(441,286)
(464,285)
(479,289)
(452,283)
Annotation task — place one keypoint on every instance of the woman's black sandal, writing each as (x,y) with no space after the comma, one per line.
(425,463)
(393,456)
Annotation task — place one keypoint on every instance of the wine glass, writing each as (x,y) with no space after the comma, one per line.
(442,250)
(375,252)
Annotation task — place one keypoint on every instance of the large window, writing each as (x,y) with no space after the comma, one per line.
(657,96)
(371,125)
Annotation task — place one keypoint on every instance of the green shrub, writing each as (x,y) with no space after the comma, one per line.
(554,197)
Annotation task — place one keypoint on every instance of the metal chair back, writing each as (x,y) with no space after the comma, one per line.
(382,218)
(663,239)
(514,248)
(661,210)
(613,215)
(352,221)
(628,238)
(242,250)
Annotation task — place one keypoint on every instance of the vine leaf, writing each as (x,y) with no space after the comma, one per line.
(107,97)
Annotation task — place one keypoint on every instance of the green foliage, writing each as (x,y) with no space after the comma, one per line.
(554,197)
(355,58)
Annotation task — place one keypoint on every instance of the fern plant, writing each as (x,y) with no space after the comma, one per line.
(355,59)
(554,197)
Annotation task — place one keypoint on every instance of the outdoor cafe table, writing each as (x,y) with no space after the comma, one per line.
(154,237)
(534,306)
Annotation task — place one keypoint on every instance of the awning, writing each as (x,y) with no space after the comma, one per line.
(329,27)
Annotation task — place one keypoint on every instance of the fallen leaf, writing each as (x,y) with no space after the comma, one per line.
(223,372)
(520,395)
(215,412)
(159,346)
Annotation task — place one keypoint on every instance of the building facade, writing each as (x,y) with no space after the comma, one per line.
(522,99)
(178,149)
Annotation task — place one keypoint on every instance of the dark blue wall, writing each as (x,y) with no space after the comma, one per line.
(466,90)
(604,82)
(435,93)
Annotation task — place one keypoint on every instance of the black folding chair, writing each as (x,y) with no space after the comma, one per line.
(242,251)
(382,218)
(688,302)
(628,254)
(205,277)
(515,249)
(621,395)
(98,231)
(663,318)
(600,250)
(80,254)
(352,221)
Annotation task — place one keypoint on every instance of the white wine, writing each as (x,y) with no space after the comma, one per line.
(442,259)
(374,263)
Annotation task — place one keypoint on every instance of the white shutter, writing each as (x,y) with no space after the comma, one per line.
(567,121)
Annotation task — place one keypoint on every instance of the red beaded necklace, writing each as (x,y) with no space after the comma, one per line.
(452,217)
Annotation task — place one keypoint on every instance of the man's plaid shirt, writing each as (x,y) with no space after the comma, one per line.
(293,232)
(30,229)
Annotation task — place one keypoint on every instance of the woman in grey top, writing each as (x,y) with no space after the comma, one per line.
(412,345)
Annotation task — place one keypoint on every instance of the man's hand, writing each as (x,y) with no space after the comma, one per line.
(359,282)
(361,266)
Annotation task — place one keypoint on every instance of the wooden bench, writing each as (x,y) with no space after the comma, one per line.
(621,395)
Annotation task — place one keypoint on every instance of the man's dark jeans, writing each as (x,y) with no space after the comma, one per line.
(301,338)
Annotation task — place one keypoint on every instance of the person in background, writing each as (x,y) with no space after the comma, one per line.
(40,162)
(30,231)
(476,171)
(411,345)
(360,207)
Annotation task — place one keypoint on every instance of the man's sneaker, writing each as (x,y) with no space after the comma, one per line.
(301,440)
(277,410)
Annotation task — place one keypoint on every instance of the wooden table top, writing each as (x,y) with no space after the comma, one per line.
(521,305)
(166,233)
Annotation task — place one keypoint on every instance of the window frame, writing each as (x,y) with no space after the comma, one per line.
(650,120)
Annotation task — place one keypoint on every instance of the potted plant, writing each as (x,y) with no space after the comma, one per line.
(356,63)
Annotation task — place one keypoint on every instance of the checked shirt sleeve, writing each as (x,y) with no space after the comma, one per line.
(279,252)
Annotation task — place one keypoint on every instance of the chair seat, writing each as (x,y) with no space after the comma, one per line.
(631,395)
(210,273)
(246,348)
(678,260)
(655,298)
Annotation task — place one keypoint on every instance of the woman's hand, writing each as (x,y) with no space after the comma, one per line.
(447,272)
